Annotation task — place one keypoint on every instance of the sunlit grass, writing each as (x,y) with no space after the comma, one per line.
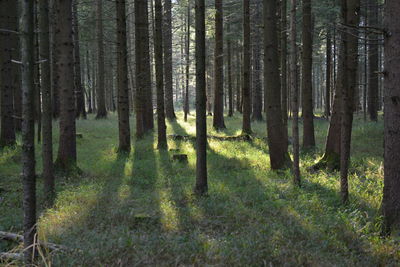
(140,210)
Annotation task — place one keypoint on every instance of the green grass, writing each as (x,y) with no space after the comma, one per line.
(140,210)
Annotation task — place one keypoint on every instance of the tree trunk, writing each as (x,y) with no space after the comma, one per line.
(279,156)
(143,79)
(54,79)
(284,76)
(246,126)
(187,55)
(66,160)
(391,196)
(201,98)
(167,41)
(218,118)
(101,101)
(307,90)
(295,92)
(257,86)
(229,57)
(373,61)
(350,13)
(80,97)
(158,52)
(47,145)
(28,135)
(7,132)
(122,80)
(328,74)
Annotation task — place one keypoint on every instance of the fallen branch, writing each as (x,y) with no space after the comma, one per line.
(20,238)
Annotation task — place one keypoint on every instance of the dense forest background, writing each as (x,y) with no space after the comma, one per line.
(226,132)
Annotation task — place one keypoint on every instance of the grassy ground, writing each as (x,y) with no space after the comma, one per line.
(140,210)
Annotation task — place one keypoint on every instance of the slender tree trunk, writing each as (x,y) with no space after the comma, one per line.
(186,103)
(28,128)
(80,97)
(328,74)
(257,86)
(158,51)
(201,98)
(229,56)
(167,41)
(391,195)
(143,80)
(218,118)
(373,61)
(122,80)
(238,81)
(54,79)
(7,132)
(295,92)
(350,13)
(279,156)
(66,160)
(47,146)
(89,83)
(101,101)
(284,76)
(246,126)
(307,90)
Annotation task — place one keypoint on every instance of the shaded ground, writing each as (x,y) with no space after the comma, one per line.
(140,210)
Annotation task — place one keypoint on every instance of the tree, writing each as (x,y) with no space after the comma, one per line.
(122,80)
(350,16)
(28,128)
(167,41)
(47,145)
(187,56)
(101,102)
(229,63)
(373,62)
(158,51)
(284,76)
(391,196)
(256,78)
(201,99)
(246,127)
(279,156)
(328,74)
(218,118)
(80,97)
(7,132)
(143,80)
(294,91)
(66,158)
(307,95)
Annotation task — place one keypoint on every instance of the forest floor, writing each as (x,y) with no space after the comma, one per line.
(140,210)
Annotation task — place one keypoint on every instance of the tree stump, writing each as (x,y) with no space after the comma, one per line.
(183,158)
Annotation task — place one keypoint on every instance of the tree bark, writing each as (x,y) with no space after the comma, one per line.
(122,80)
(307,90)
(201,186)
(28,128)
(167,41)
(350,13)
(218,118)
(229,63)
(7,132)
(284,76)
(101,101)
(373,61)
(66,159)
(246,126)
(391,196)
(47,145)
(142,71)
(279,156)
(187,56)
(328,74)
(256,78)
(80,97)
(295,92)
(158,51)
